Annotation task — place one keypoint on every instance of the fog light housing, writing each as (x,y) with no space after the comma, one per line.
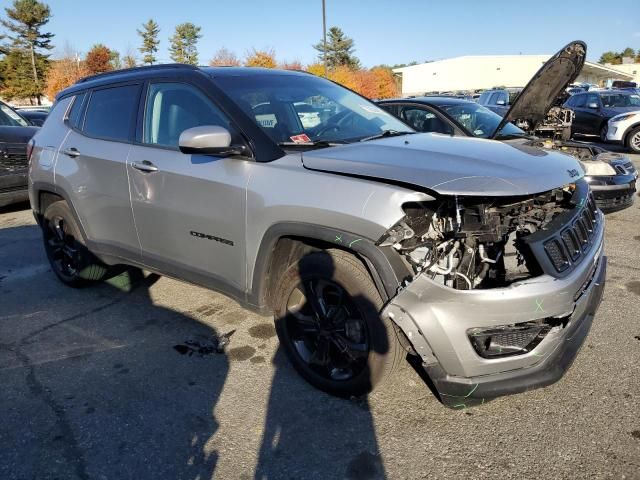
(508,340)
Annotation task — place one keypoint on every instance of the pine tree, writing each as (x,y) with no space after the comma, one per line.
(25,65)
(183,47)
(339,50)
(150,42)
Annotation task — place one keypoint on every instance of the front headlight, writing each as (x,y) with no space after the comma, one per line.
(622,118)
(595,167)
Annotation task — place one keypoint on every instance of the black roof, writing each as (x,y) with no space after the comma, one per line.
(431,100)
(150,71)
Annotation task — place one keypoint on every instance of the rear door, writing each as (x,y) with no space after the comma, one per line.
(189,209)
(578,103)
(92,168)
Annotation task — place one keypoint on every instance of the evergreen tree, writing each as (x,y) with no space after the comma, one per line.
(183,47)
(24,66)
(339,50)
(150,42)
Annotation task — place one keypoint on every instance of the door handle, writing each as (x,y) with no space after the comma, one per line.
(71,152)
(145,166)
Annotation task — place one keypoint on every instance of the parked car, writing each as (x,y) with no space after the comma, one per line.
(499,100)
(366,239)
(35,117)
(594,109)
(15,133)
(612,176)
(625,129)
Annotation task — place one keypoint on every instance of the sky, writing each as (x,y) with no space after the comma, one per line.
(385,32)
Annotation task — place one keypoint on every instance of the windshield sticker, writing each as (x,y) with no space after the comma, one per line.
(302,138)
(371,109)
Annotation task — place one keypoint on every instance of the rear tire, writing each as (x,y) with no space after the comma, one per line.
(603,133)
(328,322)
(633,140)
(68,255)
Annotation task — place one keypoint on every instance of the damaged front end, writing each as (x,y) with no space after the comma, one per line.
(499,286)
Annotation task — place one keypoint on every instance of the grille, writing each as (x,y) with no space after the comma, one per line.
(575,241)
(13,156)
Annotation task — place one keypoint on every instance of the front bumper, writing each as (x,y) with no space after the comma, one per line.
(615,133)
(613,193)
(436,320)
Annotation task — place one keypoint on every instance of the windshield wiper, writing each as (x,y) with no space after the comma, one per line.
(510,135)
(385,133)
(317,143)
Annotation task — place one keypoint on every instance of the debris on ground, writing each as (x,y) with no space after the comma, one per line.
(213,344)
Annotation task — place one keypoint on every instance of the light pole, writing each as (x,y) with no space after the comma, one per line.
(324,38)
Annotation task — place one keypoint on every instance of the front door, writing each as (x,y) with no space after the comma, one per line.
(189,209)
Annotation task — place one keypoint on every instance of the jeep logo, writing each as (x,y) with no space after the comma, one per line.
(573,173)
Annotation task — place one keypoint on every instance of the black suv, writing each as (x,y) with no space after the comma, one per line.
(594,109)
(15,132)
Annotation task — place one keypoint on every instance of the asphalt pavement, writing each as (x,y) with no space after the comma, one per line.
(122,380)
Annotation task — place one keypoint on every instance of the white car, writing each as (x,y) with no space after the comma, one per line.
(625,129)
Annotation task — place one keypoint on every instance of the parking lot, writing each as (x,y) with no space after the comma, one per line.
(93,386)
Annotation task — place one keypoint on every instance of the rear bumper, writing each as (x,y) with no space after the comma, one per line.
(14,196)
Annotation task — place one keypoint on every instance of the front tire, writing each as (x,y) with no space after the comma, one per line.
(633,140)
(603,133)
(68,255)
(328,321)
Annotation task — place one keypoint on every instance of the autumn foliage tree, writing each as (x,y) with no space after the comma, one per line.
(224,58)
(376,83)
(98,60)
(295,65)
(63,73)
(261,58)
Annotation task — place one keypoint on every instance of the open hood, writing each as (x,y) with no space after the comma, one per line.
(450,165)
(551,80)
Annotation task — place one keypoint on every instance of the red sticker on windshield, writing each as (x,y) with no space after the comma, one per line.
(302,138)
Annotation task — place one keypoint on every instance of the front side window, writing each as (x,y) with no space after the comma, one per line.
(111,112)
(172,108)
(592,98)
(579,101)
(620,100)
(9,118)
(423,120)
(306,108)
(480,121)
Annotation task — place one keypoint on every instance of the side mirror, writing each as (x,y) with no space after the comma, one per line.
(209,140)
(501,102)
(592,105)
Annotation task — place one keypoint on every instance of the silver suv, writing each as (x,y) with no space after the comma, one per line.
(482,260)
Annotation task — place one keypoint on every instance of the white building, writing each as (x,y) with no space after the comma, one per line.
(632,69)
(487,71)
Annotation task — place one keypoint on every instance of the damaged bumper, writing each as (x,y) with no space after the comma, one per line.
(440,323)
(614,192)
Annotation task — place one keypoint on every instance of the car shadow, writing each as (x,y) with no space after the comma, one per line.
(309,434)
(92,384)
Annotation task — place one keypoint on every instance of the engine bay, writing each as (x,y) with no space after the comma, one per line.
(471,243)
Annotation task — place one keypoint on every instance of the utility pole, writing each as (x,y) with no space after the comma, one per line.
(324,38)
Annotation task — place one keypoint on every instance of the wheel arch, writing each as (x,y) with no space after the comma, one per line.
(285,243)
(628,131)
(44,195)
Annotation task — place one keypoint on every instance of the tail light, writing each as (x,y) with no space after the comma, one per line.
(30,145)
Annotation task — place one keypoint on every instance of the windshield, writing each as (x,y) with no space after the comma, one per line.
(9,118)
(621,100)
(305,108)
(480,121)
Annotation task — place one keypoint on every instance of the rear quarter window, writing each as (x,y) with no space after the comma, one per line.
(73,117)
(111,112)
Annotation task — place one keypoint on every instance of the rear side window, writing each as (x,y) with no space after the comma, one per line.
(111,112)
(76,109)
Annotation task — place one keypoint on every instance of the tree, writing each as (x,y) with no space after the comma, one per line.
(339,50)
(98,60)
(114,60)
(610,57)
(150,41)
(25,22)
(628,52)
(129,60)
(64,73)
(295,65)
(224,58)
(261,58)
(183,48)
(316,69)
